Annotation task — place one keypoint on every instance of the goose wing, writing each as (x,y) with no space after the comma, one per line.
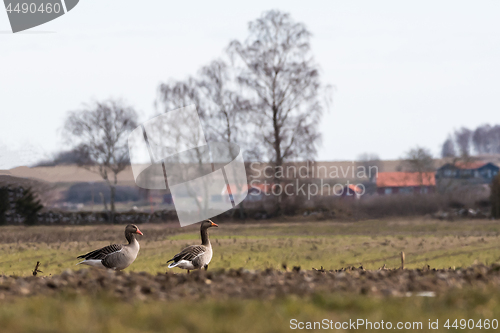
(189,253)
(102,253)
(118,260)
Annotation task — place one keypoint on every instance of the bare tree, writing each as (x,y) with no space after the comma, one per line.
(99,134)
(494,139)
(271,90)
(480,139)
(224,109)
(368,157)
(418,160)
(226,112)
(280,78)
(177,94)
(486,139)
(463,138)
(448,148)
(370,162)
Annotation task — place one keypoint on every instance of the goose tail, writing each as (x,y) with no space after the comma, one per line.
(172,264)
(92,262)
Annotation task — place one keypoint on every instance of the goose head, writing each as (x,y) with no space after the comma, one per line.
(132,229)
(208,224)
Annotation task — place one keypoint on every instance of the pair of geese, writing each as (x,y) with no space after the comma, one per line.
(118,257)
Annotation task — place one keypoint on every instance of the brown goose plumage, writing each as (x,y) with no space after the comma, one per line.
(115,256)
(195,256)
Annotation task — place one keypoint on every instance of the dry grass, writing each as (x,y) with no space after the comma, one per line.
(266,245)
(254,246)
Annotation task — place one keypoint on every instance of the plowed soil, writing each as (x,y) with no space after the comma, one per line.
(266,284)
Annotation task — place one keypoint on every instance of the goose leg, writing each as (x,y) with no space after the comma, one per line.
(206,267)
(188,271)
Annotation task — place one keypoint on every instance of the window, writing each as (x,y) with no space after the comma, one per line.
(449,173)
(406,190)
(387,190)
(466,173)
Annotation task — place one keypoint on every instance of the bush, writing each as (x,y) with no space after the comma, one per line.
(4,203)
(398,205)
(495,197)
(28,207)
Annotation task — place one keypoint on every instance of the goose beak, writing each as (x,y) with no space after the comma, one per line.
(139,232)
(213,224)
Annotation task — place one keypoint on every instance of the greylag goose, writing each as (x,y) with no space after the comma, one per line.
(195,256)
(115,256)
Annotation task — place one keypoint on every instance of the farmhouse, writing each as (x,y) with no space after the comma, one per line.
(352,191)
(405,182)
(473,172)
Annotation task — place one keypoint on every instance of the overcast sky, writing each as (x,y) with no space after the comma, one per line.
(406,73)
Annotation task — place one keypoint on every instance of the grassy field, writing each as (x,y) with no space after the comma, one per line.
(70,314)
(254,246)
(267,245)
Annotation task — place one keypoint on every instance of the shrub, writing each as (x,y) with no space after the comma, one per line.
(4,203)
(28,207)
(495,197)
(398,205)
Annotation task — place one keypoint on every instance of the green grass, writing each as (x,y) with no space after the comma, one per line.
(254,246)
(72,314)
(258,246)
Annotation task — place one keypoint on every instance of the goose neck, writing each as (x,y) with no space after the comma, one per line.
(204,237)
(130,238)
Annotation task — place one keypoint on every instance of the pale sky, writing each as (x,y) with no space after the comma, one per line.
(406,73)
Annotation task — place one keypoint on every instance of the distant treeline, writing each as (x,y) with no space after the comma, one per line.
(88,192)
(67,157)
(61,158)
(485,139)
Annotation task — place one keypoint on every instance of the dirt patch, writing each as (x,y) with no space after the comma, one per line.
(242,283)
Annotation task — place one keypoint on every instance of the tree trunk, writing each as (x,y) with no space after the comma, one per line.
(279,159)
(112,198)
(104,203)
(112,204)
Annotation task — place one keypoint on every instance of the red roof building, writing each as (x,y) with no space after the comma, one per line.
(352,191)
(405,182)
